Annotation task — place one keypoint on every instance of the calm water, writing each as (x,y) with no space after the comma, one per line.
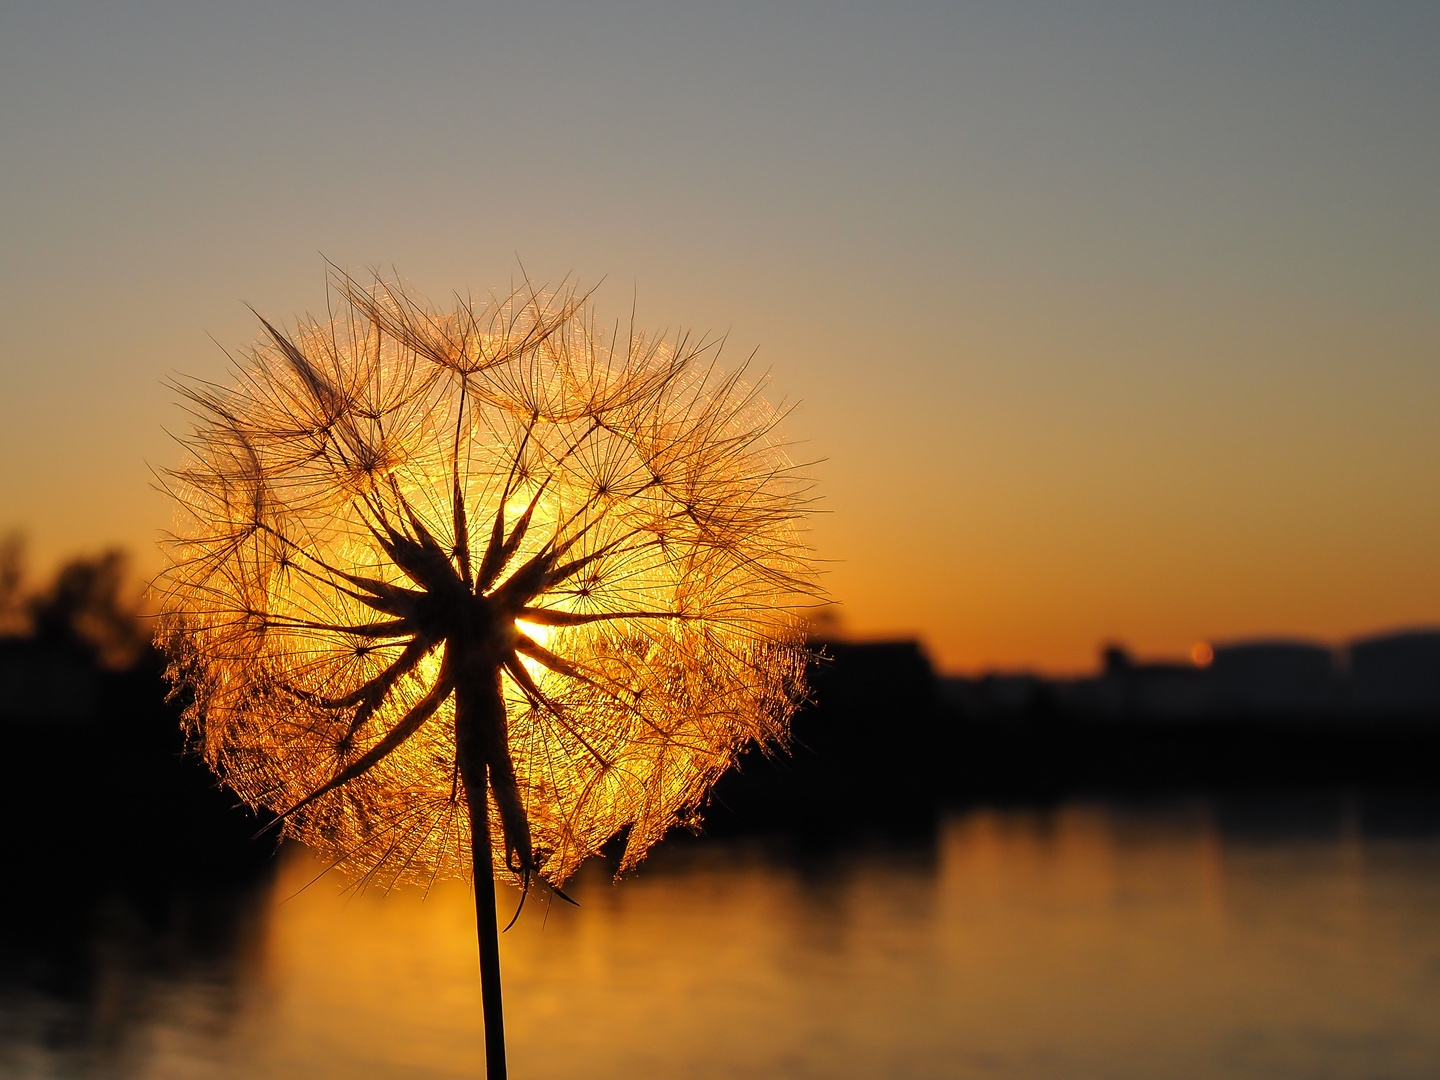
(1262,938)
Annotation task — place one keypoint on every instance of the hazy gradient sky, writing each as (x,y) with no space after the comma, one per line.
(1109,320)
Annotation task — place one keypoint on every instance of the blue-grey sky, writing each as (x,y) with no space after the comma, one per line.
(1110,320)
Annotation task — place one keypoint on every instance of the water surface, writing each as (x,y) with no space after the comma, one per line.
(1264,938)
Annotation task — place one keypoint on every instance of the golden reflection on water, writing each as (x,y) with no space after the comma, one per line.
(1088,942)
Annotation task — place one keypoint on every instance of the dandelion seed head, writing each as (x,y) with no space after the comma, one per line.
(381,500)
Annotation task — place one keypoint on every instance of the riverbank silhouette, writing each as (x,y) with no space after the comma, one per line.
(97,774)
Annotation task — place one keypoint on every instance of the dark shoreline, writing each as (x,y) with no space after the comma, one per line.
(881,744)
(102,789)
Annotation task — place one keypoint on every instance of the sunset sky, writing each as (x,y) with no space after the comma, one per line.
(1107,321)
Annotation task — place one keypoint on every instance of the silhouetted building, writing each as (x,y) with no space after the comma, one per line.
(1130,690)
(1273,680)
(1396,675)
(996,694)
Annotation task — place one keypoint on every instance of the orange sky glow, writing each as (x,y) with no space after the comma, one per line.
(1103,326)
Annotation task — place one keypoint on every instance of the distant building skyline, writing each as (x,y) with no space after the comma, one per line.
(1394,676)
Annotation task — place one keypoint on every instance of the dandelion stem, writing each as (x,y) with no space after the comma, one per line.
(473,772)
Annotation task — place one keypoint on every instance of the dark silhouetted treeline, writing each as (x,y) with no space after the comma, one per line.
(97,789)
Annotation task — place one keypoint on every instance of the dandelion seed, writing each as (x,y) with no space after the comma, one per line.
(466,591)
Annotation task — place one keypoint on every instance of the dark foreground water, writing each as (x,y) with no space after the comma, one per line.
(1265,937)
